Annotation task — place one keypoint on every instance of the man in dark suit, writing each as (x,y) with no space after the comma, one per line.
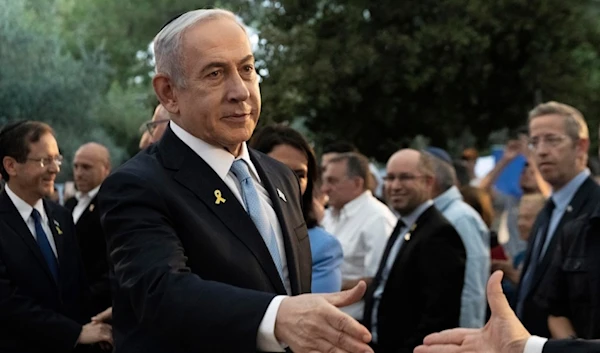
(418,287)
(42,286)
(207,242)
(91,165)
(502,334)
(559,141)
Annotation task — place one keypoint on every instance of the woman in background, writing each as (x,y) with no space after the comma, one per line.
(289,147)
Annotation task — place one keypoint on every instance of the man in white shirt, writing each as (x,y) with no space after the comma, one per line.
(360,222)
(503,333)
(208,246)
(91,165)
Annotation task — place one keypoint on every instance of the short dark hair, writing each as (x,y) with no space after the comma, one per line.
(339,147)
(271,136)
(462,174)
(15,139)
(357,166)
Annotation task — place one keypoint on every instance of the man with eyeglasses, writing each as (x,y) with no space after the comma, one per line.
(155,128)
(42,286)
(357,219)
(418,286)
(91,165)
(559,140)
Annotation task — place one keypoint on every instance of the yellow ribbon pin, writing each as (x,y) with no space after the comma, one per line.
(219,199)
(58,230)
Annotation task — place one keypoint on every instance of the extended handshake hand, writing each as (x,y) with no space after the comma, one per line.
(313,323)
(503,333)
(98,331)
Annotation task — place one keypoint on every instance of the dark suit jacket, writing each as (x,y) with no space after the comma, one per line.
(37,314)
(93,253)
(423,292)
(189,274)
(535,313)
(571,287)
(571,346)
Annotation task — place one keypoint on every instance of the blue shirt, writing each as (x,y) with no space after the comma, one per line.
(409,222)
(476,237)
(327,257)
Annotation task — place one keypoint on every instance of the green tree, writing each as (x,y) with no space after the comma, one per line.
(381,72)
(39,81)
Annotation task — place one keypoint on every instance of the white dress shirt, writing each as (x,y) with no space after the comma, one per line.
(220,160)
(83,201)
(363,227)
(535,344)
(25,210)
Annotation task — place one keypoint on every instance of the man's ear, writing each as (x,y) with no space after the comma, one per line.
(9,164)
(166,92)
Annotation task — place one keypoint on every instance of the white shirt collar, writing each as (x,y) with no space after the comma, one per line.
(90,195)
(24,208)
(218,158)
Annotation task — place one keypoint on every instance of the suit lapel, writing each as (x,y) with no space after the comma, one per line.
(56,229)
(193,173)
(13,218)
(270,181)
(89,210)
(573,210)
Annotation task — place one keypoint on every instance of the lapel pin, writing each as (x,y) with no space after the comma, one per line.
(281,195)
(219,199)
(569,208)
(92,206)
(407,236)
(57,227)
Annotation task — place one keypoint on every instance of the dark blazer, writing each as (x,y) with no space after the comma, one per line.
(189,274)
(571,346)
(535,313)
(93,253)
(423,292)
(571,287)
(37,314)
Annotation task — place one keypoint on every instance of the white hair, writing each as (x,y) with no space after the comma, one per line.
(167,43)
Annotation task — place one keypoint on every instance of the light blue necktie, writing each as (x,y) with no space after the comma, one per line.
(44,244)
(256,211)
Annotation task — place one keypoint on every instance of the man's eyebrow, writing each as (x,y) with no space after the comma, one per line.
(221,64)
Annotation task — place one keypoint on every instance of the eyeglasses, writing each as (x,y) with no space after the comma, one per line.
(46,161)
(548,140)
(152,125)
(403,178)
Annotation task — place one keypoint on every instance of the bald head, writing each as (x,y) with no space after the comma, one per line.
(408,180)
(91,166)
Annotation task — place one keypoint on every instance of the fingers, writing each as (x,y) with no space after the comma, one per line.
(344,323)
(449,337)
(337,337)
(445,348)
(103,316)
(496,298)
(347,297)
(104,333)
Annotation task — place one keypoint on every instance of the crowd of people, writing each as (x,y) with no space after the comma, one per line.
(212,237)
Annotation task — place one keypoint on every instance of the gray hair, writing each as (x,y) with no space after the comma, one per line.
(575,125)
(445,174)
(168,51)
(357,165)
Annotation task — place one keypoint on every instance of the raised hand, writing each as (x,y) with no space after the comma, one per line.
(313,323)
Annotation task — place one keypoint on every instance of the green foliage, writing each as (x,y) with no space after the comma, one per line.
(381,72)
(39,81)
